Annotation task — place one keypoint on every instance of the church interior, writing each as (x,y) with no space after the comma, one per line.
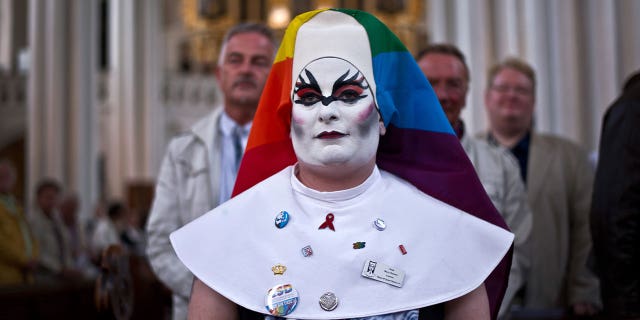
(91,92)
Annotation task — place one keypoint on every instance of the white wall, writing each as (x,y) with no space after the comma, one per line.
(582,51)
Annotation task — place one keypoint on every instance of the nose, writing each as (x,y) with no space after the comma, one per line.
(328,113)
(441,92)
(245,67)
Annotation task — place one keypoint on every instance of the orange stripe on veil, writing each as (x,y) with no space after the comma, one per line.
(273,116)
(269,147)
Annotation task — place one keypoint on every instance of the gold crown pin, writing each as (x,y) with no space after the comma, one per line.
(278,269)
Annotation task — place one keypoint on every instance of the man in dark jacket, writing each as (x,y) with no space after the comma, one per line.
(615,210)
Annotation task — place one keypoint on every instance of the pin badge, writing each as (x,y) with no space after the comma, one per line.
(402,249)
(378,271)
(281,300)
(307,251)
(359,245)
(328,301)
(379,224)
(328,222)
(282,219)
(278,269)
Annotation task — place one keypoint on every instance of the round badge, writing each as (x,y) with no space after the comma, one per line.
(379,224)
(281,300)
(328,301)
(282,219)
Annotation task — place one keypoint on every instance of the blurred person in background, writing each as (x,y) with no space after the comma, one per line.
(200,166)
(133,236)
(56,262)
(76,236)
(615,207)
(559,180)
(445,67)
(18,248)
(109,229)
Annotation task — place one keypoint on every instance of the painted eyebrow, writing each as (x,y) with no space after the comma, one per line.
(354,80)
(302,84)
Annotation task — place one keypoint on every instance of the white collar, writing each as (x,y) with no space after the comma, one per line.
(450,252)
(334,196)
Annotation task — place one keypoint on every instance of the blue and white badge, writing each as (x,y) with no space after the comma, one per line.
(282,219)
(281,300)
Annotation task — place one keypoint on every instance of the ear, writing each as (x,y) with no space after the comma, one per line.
(216,72)
(383,129)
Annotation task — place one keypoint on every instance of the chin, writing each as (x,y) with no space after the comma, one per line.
(333,159)
(335,155)
(340,161)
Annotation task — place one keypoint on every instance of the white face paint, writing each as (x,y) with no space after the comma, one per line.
(334,117)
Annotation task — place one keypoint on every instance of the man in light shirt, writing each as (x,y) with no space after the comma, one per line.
(199,168)
(445,67)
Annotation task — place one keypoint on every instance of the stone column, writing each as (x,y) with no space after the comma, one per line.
(135,142)
(154,74)
(45,98)
(82,161)
(61,140)
(474,19)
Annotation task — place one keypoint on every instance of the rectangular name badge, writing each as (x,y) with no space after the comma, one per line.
(381,272)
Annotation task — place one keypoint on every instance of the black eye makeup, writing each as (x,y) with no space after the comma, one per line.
(348,90)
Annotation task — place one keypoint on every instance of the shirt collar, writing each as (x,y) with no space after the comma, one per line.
(227,125)
(522,145)
(335,196)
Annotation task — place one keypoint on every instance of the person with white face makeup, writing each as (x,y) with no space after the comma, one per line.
(339,227)
(335,126)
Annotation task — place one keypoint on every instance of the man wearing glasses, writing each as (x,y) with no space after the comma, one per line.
(559,180)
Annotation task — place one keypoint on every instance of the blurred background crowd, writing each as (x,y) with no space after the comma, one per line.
(92,91)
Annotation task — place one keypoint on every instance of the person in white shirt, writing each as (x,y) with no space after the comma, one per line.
(199,167)
(299,243)
(109,229)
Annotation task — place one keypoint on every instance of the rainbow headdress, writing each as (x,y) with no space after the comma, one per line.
(419,145)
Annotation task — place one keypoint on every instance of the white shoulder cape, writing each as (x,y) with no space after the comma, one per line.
(233,247)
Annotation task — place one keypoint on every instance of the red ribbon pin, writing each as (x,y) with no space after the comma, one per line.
(328,222)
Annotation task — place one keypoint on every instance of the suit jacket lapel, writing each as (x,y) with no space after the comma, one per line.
(537,167)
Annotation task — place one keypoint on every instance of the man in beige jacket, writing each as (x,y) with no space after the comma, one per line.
(559,181)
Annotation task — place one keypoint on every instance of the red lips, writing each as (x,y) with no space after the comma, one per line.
(330,135)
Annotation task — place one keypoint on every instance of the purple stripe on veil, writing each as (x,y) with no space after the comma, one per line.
(438,166)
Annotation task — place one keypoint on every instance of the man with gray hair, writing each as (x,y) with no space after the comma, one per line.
(200,166)
(445,67)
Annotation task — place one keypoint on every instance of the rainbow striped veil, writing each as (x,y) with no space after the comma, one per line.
(419,145)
